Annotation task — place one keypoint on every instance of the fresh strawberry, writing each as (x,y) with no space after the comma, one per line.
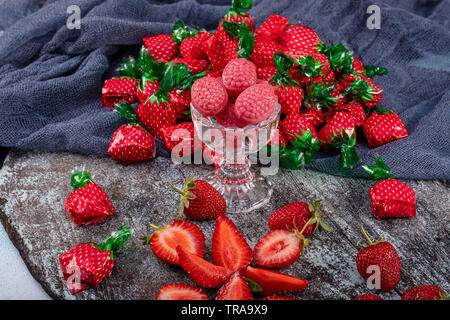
(209,96)
(200,201)
(299,213)
(162,47)
(195,65)
(87,264)
(255,104)
(214,50)
(164,241)
(298,38)
(204,273)
(263,51)
(180,291)
(279,249)
(390,197)
(236,288)
(87,203)
(180,101)
(227,118)
(131,142)
(368,296)
(279,298)
(155,115)
(362,89)
(273,27)
(313,115)
(181,137)
(424,293)
(229,248)
(238,75)
(383,255)
(266,73)
(383,126)
(267,282)
(119,89)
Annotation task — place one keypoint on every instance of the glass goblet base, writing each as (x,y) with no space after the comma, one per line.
(242,188)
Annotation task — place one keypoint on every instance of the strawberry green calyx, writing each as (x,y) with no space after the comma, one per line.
(253,285)
(370,242)
(379,172)
(372,71)
(116,240)
(80,179)
(304,242)
(314,208)
(290,157)
(309,144)
(148,238)
(186,195)
(339,56)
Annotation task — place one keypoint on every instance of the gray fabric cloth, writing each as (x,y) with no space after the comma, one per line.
(51,76)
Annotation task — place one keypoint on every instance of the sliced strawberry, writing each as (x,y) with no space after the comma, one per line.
(180,291)
(236,288)
(164,241)
(204,273)
(272,282)
(277,249)
(280,298)
(229,248)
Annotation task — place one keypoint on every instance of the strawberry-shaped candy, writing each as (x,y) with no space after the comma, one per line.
(214,51)
(87,264)
(255,104)
(236,288)
(195,65)
(383,126)
(358,66)
(209,96)
(146,88)
(322,95)
(280,248)
(368,296)
(300,39)
(131,142)
(273,27)
(88,203)
(313,115)
(181,137)
(356,110)
(390,197)
(311,67)
(383,255)
(156,115)
(361,88)
(299,213)
(339,133)
(204,273)
(190,41)
(238,75)
(267,282)
(340,58)
(288,91)
(425,292)
(229,248)
(180,291)
(200,201)
(164,241)
(180,101)
(301,135)
(162,47)
(266,73)
(263,51)
(119,89)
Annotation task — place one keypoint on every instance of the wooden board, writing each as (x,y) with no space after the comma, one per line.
(33,186)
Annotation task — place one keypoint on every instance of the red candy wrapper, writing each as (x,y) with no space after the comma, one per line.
(88,203)
(119,89)
(390,198)
(183,137)
(87,264)
(383,126)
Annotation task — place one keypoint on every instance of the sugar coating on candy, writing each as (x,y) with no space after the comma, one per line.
(238,75)
(209,96)
(256,103)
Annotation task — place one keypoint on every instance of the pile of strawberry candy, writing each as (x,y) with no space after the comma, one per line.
(325,93)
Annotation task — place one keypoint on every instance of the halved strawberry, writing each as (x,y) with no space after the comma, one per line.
(180,291)
(229,248)
(204,273)
(236,288)
(268,282)
(280,298)
(164,240)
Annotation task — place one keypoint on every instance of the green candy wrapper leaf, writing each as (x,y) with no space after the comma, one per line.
(308,67)
(383,111)
(181,31)
(345,141)
(149,67)
(339,56)
(237,8)
(379,172)
(246,41)
(125,110)
(319,95)
(372,71)
(116,241)
(308,144)
(360,89)
(232,28)
(80,179)
(129,68)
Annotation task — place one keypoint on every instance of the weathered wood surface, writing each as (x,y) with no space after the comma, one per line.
(33,186)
